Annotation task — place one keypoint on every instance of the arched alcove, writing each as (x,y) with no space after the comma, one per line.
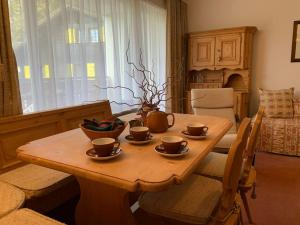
(236,81)
(239,80)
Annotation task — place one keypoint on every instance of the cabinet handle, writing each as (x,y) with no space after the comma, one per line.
(219,58)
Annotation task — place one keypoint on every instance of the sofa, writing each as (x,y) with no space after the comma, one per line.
(281,135)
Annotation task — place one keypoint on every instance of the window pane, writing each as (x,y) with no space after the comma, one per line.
(71,52)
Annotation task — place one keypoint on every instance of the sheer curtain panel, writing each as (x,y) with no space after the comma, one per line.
(67,49)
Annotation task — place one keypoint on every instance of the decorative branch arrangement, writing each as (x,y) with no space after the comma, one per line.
(153,94)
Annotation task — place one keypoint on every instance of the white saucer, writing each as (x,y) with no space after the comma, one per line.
(130,140)
(93,155)
(187,135)
(160,150)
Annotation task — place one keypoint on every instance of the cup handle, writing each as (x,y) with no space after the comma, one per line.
(173,119)
(148,134)
(205,129)
(118,144)
(185,143)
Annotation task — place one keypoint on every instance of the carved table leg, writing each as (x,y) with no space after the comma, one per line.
(101,204)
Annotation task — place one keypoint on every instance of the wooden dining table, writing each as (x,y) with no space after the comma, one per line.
(105,185)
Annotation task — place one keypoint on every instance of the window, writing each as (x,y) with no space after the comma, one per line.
(66,50)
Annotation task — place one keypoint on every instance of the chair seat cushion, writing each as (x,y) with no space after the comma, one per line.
(11,198)
(27,217)
(36,180)
(226,141)
(213,165)
(192,202)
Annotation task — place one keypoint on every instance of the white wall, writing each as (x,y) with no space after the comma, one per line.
(272,68)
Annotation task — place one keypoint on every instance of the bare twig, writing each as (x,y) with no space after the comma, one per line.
(121,87)
(123,103)
(152,92)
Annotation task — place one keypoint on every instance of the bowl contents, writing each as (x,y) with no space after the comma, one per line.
(104,125)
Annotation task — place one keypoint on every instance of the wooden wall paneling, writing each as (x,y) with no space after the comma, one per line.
(12,140)
(19,130)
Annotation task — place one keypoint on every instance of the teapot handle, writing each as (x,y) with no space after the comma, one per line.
(173,121)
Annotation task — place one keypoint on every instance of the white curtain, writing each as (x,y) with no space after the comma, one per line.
(67,49)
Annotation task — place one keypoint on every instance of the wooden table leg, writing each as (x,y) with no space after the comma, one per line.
(101,204)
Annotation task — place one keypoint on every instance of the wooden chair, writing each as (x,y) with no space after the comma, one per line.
(27,217)
(216,102)
(248,180)
(213,165)
(202,200)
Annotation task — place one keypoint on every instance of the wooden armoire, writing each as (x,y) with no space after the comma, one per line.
(221,58)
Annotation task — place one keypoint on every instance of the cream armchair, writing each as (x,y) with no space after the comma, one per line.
(216,102)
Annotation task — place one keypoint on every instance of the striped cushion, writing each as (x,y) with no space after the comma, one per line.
(36,180)
(27,217)
(11,198)
(213,165)
(226,141)
(192,202)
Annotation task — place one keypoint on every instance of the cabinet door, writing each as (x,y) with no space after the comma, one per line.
(202,53)
(228,50)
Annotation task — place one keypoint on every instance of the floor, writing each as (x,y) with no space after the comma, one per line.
(278,190)
(278,194)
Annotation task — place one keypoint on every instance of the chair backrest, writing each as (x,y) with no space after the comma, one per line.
(233,170)
(250,148)
(214,102)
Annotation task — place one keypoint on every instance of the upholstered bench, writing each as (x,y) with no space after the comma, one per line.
(11,198)
(280,136)
(35,180)
(280,129)
(44,188)
(40,184)
(27,217)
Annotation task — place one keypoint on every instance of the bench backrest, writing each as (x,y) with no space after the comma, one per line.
(19,130)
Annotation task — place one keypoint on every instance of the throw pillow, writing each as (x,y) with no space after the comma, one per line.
(277,103)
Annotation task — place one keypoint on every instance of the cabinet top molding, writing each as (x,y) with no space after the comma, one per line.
(246,29)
